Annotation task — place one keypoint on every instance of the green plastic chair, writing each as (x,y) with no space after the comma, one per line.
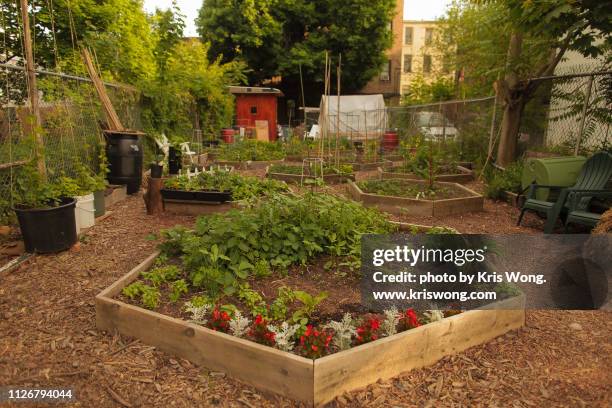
(573,202)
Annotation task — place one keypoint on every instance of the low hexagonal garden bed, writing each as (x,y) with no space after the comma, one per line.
(414,197)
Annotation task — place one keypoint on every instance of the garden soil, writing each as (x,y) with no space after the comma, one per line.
(48,339)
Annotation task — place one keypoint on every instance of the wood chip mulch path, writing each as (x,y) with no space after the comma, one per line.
(48,339)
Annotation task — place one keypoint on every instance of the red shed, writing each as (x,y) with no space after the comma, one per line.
(256,104)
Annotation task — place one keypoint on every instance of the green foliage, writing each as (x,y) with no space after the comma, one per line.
(499,181)
(177,289)
(162,274)
(309,306)
(284,230)
(252,300)
(403,188)
(422,92)
(313,170)
(251,150)
(149,295)
(190,83)
(241,187)
(277,37)
(279,307)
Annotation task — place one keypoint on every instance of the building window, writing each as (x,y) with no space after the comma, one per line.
(385,73)
(427,63)
(253,110)
(407,63)
(428,36)
(408,35)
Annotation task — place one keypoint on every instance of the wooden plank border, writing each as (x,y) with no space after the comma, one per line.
(297,178)
(312,382)
(263,367)
(464,175)
(425,208)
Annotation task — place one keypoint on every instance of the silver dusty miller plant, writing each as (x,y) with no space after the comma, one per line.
(239,324)
(198,313)
(344,331)
(433,315)
(392,318)
(283,335)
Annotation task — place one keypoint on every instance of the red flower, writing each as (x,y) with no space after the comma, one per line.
(260,333)
(409,320)
(220,321)
(314,343)
(368,331)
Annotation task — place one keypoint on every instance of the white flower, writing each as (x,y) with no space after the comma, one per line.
(283,335)
(392,318)
(343,332)
(433,315)
(198,313)
(239,324)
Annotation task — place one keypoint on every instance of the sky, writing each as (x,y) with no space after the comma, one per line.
(413,10)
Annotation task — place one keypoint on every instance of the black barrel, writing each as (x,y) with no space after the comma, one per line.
(48,230)
(125,155)
(175,160)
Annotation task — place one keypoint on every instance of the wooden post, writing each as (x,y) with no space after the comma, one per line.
(33,89)
(153,198)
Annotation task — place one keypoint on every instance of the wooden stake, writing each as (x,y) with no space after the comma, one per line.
(33,90)
(338,74)
(114,123)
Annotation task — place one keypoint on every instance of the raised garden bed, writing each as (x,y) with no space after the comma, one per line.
(452,199)
(249,164)
(314,382)
(459,175)
(113,194)
(293,174)
(213,191)
(369,166)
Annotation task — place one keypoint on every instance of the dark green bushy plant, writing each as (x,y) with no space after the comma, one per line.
(499,181)
(282,231)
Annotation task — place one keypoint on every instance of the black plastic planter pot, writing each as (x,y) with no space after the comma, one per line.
(48,230)
(156,171)
(204,196)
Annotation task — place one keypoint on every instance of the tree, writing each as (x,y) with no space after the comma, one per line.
(582,26)
(121,40)
(276,38)
(422,92)
(507,42)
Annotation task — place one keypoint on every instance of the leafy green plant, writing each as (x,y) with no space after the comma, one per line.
(404,188)
(225,249)
(309,306)
(279,307)
(251,150)
(252,300)
(149,295)
(499,181)
(163,274)
(241,187)
(177,289)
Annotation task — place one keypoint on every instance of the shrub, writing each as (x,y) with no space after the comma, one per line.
(499,181)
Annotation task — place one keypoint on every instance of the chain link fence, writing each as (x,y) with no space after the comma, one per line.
(569,114)
(71,116)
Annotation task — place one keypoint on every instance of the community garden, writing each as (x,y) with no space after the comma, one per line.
(155,251)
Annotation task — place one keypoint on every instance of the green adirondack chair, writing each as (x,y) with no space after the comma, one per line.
(573,202)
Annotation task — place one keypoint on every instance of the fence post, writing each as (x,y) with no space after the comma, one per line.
(32,88)
(585,108)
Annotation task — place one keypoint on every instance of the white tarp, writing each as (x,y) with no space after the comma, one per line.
(360,115)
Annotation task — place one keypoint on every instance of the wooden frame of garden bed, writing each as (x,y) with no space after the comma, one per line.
(368,166)
(248,164)
(464,176)
(312,382)
(297,178)
(190,207)
(425,208)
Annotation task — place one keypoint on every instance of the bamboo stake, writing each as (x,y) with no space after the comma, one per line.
(114,123)
(339,75)
(33,90)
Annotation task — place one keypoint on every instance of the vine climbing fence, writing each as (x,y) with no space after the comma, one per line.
(71,116)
